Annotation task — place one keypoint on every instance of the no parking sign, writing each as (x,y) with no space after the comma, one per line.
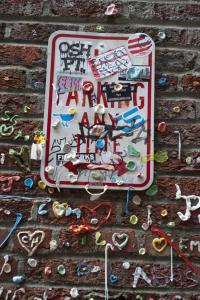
(99,111)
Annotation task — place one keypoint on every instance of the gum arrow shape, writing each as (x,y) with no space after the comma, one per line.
(120,168)
(19,217)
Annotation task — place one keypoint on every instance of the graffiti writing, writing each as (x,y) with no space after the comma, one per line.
(140,138)
(67,83)
(56,147)
(74,56)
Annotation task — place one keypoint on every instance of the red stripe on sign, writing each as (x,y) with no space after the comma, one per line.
(136,40)
(141,50)
(139,45)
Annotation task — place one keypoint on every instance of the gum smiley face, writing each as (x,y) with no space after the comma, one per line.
(102,212)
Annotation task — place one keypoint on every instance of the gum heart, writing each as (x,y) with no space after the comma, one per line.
(159,244)
(121,236)
(30,240)
(59,209)
(94,212)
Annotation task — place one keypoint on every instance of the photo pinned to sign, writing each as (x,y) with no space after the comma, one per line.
(99,111)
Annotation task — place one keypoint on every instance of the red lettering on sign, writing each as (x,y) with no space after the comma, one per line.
(112,120)
(101,95)
(99,119)
(115,145)
(136,99)
(85,95)
(72,97)
(85,120)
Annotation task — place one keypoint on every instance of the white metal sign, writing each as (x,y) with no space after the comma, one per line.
(99,115)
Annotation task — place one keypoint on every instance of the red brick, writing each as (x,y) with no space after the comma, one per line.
(175,61)
(171,85)
(167,188)
(172,209)
(164,109)
(164,11)
(13,206)
(12,79)
(34,275)
(181,68)
(16,103)
(29,126)
(60,294)
(92,8)
(76,245)
(18,188)
(183,276)
(191,250)
(12,261)
(35,77)
(191,83)
(174,36)
(21,7)
(183,239)
(158,273)
(18,55)
(37,32)
(2,30)
(3,234)
(173,164)
(41,32)
(9,162)
(26,126)
(190,135)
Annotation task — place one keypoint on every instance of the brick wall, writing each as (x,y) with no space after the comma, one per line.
(25,26)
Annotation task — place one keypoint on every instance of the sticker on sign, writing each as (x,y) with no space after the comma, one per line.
(109,63)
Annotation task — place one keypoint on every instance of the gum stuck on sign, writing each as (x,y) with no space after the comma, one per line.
(99,111)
